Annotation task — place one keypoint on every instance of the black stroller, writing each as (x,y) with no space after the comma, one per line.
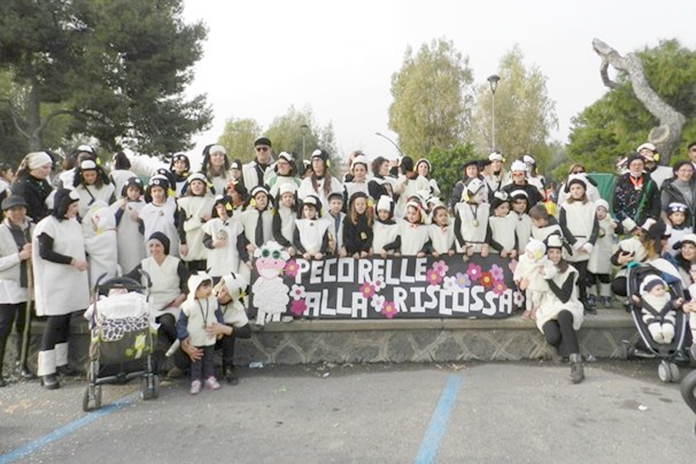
(669,354)
(121,338)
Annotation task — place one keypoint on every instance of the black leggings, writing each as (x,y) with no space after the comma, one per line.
(560,334)
(56,331)
(204,367)
(11,314)
(581,266)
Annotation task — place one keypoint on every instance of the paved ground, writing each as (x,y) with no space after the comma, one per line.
(522,412)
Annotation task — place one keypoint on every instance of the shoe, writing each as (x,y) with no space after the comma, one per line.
(66,371)
(606,301)
(50,382)
(590,310)
(26,374)
(591,300)
(195,387)
(577,372)
(211,383)
(231,375)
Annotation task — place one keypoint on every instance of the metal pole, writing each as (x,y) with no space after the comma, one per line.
(493,82)
(493,126)
(392,142)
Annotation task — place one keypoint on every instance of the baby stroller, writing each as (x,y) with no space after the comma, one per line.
(671,353)
(121,341)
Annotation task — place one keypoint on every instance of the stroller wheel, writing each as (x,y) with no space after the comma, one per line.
(664,372)
(674,372)
(97,396)
(85,399)
(149,387)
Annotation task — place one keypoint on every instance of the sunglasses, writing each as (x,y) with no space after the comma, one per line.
(261,148)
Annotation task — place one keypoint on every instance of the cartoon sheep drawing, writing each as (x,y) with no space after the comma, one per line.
(271,295)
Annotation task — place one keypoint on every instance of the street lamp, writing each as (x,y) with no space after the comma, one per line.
(304,128)
(392,142)
(493,82)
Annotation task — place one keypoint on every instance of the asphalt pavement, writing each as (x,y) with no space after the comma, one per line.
(396,413)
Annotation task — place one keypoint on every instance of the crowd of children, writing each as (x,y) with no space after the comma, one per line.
(215,218)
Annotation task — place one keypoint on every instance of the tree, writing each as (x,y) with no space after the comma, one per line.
(238,138)
(613,126)
(116,69)
(447,163)
(524,113)
(431,105)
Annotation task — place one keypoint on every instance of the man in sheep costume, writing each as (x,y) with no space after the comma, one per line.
(270,293)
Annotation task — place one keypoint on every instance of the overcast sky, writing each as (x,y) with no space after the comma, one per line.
(338,57)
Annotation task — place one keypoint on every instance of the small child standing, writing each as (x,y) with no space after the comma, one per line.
(657,309)
(471,220)
(311,236)
(198,311)
(412,235)
(224,238)
(131,242)
(385,228)
(678,215)
(503,223)
(284,218)
(441,232)
(357,227)
(257,219)
(534,266)
(336,217)
(599,265)
(160,213)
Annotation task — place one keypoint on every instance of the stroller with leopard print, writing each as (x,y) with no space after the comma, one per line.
(122,338)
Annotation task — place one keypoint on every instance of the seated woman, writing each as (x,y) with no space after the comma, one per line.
(560,313)
(168,276)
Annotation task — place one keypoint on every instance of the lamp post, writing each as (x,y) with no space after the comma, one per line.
(304,128)
(493,82)
(392,142)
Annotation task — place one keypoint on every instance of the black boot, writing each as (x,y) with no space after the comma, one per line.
(66,371)
(50,382)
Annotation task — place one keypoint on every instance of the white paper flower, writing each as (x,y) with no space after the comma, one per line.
(297,292)
(450,284)
(379,283)
(377,302)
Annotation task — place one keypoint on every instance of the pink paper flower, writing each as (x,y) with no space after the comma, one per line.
(487,280)
(474,272)
(440,267)
(497,272)
(462,280)
(291,267)
(389,309)
(433,277)
(499,287)
(298,307)
(367,290)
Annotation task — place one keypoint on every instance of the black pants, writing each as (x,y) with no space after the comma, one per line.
(56,331)
(195,266)
(166,334)
(593,279)
(204,367)
(560,334)
(11,314)
(227,346)
(581,266)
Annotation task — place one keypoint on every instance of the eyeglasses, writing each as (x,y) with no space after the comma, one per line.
(261,148)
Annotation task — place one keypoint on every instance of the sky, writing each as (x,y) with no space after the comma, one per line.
(262,57)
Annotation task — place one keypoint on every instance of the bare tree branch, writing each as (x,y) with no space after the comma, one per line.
(14,118)
(667,134)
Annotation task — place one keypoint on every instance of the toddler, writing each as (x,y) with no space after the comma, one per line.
(657,309)
(534,266)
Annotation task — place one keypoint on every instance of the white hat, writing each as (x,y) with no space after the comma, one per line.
(628,225)
(235,283)
(87,165)
(217,149)
(311,200)
(518,166)
(385,203)
(495,156)
(647,145)
(360,159)
(474,186)
(287,157)
(287,187)
(195,281)
(647,224)
(675,207)
(528,159)
(554,241)
(197,176)
(85,149)
(37,159)
(519,193)
(602,203)
(423,160)
(259,189)
(651,282)
(536,247)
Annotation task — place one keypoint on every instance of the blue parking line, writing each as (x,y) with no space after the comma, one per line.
(439,422)
(67,429)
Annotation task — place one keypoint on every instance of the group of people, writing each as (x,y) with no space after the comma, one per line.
(194,232)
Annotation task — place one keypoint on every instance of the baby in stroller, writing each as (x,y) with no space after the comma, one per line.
(658,311)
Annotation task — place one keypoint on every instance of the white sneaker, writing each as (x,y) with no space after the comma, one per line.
(211,383)
(196,387)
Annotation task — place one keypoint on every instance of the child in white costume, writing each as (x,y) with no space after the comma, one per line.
(223,236)
(599,265)
(503,224)
(286,214)
(657,309)
(412,234)
(131,242)
(385,228)
(678,215)
(534,266)
(471,220)
(258,218)
(198,311)
(160,213)
(311,237)
(195,208)
(523,227)
(441,232)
